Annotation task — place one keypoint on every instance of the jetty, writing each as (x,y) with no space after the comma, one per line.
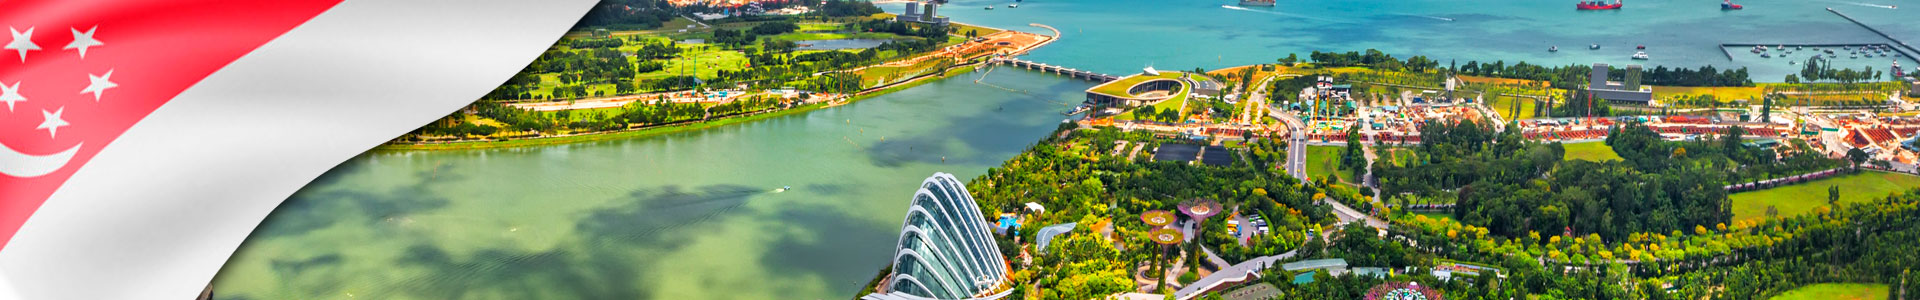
(1909,50)
(1729,53)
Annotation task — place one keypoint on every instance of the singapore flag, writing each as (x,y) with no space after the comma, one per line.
(142,140)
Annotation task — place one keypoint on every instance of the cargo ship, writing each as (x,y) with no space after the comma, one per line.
(1597,5)
(1256,2)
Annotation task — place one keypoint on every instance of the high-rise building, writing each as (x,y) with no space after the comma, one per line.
(945,250)
(922,12)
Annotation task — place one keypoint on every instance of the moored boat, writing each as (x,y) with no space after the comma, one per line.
(1597,5)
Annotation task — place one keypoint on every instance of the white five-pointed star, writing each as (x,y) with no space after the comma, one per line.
(53,122)
(83,40)
(11,94)
(22,41)
(99,84)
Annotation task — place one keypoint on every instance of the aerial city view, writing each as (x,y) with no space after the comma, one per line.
(1147,149)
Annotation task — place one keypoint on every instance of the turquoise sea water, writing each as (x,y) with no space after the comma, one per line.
(1121,36)
(694,215)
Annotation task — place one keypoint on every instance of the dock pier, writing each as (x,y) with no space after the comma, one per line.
(1729,53)
(1909,50)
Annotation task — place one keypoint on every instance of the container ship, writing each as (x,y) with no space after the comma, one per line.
(1256,2)
(1597,5)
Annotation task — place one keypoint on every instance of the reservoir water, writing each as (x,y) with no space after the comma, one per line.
(680,216)
(694,215)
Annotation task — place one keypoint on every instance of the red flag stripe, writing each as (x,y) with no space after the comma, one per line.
(148,51)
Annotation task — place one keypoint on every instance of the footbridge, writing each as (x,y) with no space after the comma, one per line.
(1046,68)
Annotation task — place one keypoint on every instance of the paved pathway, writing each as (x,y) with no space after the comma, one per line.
(1348,215)
(1230,275)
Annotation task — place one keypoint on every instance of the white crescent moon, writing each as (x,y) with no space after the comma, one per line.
(16,164)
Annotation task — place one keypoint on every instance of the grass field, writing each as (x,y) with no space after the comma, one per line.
(1836,291)
(881,75)
(1507,106)
(1401,157)
(702,60)
(1594,151)
(1724,94)
(1802,198)
(1323,161)
(961,29)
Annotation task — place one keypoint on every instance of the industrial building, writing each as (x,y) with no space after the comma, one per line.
(1627,90)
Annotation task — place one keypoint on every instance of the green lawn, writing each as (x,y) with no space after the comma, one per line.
(1401,157)
(881,75)
(1802,198)
(1323,161)
(1594,151)
(1120,87)
(1507,105)
(1836,291)
(704,61)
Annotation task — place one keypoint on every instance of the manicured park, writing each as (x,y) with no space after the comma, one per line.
(1750,207)
(1594,151)
(1836,291)
(1323,161)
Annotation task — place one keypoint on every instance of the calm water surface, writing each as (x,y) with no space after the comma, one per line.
(680,216)
(1121,36)
(695,216)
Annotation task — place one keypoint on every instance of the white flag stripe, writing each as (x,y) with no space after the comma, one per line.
(156,213)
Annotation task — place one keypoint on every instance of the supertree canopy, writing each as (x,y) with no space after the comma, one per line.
(1157,218)
(1166,236)
(1200,209)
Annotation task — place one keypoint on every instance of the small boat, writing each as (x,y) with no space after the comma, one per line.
(1015,5)
(1766,55)
(1640,55)
(1728,5)
(1780,47)
(989,7)
(1268,3)
(1640,47)
(1593,47)
(1553,49)
(1597,5)
(1796,47)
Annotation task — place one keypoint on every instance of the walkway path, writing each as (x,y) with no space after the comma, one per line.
(1348,215)
(1231,275)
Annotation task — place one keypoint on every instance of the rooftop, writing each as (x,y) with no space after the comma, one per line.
(1118,88)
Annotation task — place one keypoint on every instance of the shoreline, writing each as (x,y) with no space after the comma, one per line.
(673,128)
